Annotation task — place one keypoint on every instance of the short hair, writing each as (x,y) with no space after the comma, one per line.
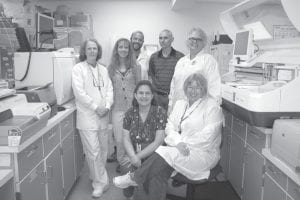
(82,54)
(201,33)
(138,85)
(201,80)
(168,32)
(136,32)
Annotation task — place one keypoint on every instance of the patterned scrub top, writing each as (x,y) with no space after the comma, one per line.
(143,133)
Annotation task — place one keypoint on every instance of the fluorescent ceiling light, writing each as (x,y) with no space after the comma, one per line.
(259,31)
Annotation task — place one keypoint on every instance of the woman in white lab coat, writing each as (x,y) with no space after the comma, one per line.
(93,92)
(193,137)
(196,61)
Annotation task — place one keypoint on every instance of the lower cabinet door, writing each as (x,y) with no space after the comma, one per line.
(253,175)
(34,185)
(68,163)
(272,191)
(79,156)
(54,175)
(236,163)
(225,151)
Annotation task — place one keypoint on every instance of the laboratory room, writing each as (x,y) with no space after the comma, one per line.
(149,100)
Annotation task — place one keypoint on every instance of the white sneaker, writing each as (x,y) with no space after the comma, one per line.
(124,181)
(97,193)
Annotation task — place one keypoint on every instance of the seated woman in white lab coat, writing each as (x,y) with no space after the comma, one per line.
(193,137)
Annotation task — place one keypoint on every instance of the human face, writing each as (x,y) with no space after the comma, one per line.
(123,49)
(165,39)
(91,50)
(137,41)
(144,95)
(195,42)
(194,91)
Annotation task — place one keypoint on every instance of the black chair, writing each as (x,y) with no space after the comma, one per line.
(192,185)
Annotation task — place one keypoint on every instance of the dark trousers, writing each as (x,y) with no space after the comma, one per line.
(152,178)
(162,100)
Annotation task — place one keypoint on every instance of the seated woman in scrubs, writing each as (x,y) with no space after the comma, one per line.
(193,137)
(143,129)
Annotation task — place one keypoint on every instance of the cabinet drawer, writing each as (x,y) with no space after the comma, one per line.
(227,118)
(276,174)
(30,157)
(293,189)
(50,140)
(255,138)
(239,127)
(67,126)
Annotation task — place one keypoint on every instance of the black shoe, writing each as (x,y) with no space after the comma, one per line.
(112,158)
(176,183)
(118,169)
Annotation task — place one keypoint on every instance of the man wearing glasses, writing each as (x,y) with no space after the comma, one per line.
(195,61)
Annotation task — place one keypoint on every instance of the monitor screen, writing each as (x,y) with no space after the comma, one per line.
(23,40)
(44,31)
(243,45)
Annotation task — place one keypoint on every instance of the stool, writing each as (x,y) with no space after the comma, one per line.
(191,184)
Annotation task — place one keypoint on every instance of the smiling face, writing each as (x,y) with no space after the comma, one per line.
(123,49)
(195,41)
(144,95)
(137,41)
(194,91)
(91,51)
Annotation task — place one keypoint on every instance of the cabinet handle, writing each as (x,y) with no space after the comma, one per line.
(274,171)
(32,151)
(52,135)
(256,135)
(50,172)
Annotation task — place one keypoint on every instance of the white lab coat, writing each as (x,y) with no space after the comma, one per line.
(201,131)
(88,97)
(203,63)
(143,60)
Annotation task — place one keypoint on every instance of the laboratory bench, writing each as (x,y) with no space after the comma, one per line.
(252,170)
(47,164)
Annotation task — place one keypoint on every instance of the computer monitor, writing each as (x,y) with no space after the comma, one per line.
(22,40)
(243,45)
(44,31)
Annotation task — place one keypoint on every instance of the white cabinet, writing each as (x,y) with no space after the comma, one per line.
(271,190)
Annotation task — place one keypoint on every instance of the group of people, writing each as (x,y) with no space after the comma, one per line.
(165,112)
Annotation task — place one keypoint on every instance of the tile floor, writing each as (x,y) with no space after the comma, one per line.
(82,189)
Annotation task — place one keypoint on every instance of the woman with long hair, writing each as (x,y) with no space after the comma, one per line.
(124,73)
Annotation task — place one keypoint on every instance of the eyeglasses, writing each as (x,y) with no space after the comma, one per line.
(193,39)
(194,88)
(98,83)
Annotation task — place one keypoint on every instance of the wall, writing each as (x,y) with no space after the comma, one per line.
(113,19)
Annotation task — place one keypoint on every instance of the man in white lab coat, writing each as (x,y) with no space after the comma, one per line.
(137,41)
(195,61)
(93,92)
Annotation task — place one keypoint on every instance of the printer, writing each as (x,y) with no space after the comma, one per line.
(286,142)
(20,119)
(41,94)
